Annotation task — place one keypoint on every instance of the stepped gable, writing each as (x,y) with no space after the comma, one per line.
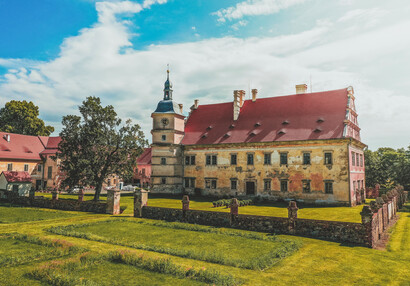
(308,116)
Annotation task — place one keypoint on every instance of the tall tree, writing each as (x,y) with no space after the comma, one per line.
(22,117)
(97,145)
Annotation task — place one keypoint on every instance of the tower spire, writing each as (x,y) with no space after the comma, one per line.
(168,87)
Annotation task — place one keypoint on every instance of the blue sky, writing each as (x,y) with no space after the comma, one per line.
(57,52)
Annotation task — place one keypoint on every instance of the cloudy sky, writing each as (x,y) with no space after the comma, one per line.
(56,53)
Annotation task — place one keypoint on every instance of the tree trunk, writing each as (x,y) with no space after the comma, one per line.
(98,188)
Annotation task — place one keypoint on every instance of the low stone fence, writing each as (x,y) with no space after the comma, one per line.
(375,220)
(111,206)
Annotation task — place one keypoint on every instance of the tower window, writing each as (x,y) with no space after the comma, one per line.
(39,168)
(353,159)
(164,137)
(50,172)
(163,161)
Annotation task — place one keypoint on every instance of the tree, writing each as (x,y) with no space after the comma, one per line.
(96,145)
(22,117)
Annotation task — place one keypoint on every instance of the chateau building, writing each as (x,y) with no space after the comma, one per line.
(304,147)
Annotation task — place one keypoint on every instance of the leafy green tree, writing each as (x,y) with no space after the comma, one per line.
(97,145)
(388,167)
(22,117)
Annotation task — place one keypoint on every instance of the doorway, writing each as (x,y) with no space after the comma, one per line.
(250,188)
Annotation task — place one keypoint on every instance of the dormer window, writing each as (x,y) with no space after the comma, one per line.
(285,122)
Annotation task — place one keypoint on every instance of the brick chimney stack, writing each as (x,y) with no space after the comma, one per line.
(301,88)
(254,94)
(238,100)
(181,107)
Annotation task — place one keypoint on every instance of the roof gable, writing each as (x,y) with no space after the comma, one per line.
(145,157)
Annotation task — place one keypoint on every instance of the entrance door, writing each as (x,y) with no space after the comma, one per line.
(250,188)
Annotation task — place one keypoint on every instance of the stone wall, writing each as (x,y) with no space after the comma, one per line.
(110,207)
(375,220)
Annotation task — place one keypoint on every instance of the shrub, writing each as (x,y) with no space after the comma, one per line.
(227,203)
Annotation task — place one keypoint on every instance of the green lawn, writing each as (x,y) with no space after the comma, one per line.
(227,248)
(13,214)
(317,262)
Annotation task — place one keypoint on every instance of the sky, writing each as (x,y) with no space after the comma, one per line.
(57,52)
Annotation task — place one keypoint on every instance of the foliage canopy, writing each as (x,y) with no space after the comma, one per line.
(96,145)
(22,117)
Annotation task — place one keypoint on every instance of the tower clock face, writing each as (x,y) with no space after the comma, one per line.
(165,121)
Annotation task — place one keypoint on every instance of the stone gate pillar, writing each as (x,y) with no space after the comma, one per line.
(81,195)
(234,206)
(292,216)
(367,221)
(32,193)
(113,202)
(185,203)
(140,200)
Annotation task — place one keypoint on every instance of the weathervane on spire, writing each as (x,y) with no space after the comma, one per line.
(168,87)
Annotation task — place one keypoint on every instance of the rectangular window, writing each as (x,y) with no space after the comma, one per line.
(211,160)
(210,183)
(328,187)
(283,185)
(190,160)
(361,160)
(306,186)
(357,159)
(164,137)
(25,167)
(306,158)
(353,159)
(189,182)
(328,158)
(10,167)
(267,184)
(163,181)
(250,159)
(234,159)
(50,172)
(163,161)
(267,159)
(234,184)
(283,158)
(39,168)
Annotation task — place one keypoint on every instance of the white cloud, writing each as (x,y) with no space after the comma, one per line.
(254,8)
(101,61)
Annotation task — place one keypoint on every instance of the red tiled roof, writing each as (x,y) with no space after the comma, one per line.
(308,116)
(27,147)
(145,157)
(20,147)
(17,177)
(51,146)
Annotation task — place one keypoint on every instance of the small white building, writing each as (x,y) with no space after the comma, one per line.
(17,182)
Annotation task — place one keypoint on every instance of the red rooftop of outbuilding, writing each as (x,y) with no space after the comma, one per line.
(145,157)
(17,177)
(308,116)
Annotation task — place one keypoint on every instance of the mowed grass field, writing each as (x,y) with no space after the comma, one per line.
(156,252)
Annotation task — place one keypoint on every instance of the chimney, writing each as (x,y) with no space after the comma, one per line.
(236,104)
(301,88)
(180,107)
(254,94)
(196,103)
(241,97)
